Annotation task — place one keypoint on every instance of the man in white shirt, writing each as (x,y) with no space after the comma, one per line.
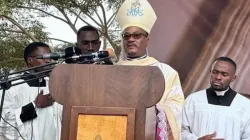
(217,113)
(29,107)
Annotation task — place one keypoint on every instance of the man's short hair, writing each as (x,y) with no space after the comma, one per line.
(30,48)
(87,28)
(227,59)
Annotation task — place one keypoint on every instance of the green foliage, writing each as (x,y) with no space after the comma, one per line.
(20,25)
(17,29)
(6,6)
(82,11)
(11,55)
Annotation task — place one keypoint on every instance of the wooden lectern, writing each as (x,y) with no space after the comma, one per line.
(104,102)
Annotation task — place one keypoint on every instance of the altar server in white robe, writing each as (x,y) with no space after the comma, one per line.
(29,107)
(218,112)
(136,18)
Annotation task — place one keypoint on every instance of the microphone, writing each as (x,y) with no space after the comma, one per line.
(74,55)
(71,51)
(110,51)
(68,52)
(97,55)
(54,56)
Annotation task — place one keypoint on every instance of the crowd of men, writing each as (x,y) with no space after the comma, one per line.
(217,113)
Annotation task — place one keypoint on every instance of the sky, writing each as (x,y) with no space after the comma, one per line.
(61,30)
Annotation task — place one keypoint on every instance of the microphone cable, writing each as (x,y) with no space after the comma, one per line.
(13,127)
(38,89)
(5,77)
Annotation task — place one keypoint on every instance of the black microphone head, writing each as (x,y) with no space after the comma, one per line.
(107,61)
(71,51)
(103,54)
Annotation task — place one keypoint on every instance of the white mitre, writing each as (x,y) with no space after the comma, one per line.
(137,13)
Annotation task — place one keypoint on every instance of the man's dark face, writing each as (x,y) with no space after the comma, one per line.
(135,41)
(88,41)
(33,62)
(222,74)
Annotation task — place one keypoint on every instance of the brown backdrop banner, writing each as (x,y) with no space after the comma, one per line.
(190,34)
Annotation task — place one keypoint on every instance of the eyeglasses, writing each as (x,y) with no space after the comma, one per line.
(134,35)
(87,42)
(34,55)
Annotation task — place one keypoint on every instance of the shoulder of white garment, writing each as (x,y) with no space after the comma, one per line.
(165,68)
(17,88)
(242,102)
(199,95)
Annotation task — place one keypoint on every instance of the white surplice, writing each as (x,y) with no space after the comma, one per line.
(47,124)
(202,118)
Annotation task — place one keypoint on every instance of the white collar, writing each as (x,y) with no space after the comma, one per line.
(138,58)
(221,93)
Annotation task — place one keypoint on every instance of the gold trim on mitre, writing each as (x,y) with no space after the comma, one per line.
(137,13)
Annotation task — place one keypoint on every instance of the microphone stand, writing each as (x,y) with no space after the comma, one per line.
(4,86)
(6,83)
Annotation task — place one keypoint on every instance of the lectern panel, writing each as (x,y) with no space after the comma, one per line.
(101,127)
(101,123)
